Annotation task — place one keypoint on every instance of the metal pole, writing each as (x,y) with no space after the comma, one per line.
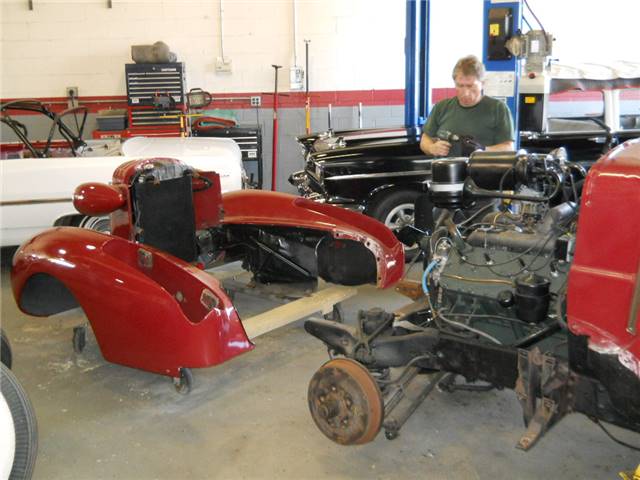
(274,153)
(307,106)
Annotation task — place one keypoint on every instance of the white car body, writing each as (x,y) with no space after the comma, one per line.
(37,192)
(7,439)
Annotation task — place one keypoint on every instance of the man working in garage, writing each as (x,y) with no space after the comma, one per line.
(469,113)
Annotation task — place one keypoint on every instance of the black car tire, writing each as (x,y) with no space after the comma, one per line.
(24,424)
(387,207)
(100,224)
(5,350)
(385,203)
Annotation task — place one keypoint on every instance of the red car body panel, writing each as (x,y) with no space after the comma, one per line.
(147,317)
(257,207)
(604,290)
(151,310)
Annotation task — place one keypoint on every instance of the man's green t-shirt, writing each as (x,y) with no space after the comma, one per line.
(488,122)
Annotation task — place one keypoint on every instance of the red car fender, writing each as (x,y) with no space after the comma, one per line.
(148,310)
(259,207)
(603,296)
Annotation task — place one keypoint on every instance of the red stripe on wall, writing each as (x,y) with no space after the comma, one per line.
(236,101)
(630,94)
(438,94)
(347,98)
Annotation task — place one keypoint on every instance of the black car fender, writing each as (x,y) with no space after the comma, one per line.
(387,188)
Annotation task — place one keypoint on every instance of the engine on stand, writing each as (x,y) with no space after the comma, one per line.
(498,243)
(505,267)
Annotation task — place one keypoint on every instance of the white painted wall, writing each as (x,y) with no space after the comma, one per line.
(355,44)
(597,32)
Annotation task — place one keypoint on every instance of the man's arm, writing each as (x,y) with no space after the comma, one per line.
(507,146)
(437,148)
(504,132)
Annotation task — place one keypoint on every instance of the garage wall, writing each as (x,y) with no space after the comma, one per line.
(593,32)
(356,53)
(355,44)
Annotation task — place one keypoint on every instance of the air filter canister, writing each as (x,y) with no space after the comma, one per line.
(532,297)
(447,182)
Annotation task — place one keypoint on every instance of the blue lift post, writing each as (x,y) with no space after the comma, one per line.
(417,44)
(494,24)
(417,94)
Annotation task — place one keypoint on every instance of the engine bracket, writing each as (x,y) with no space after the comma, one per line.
(543,377)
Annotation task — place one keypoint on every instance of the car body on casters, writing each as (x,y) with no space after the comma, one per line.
(143,286)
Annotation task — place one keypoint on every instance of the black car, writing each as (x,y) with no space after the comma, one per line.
(378,172)
(381,172)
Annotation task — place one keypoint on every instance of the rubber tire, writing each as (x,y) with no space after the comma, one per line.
(100,224)
(79,339)
(385,203)
(184,383)
(6,355)
(25,425)
(68,221)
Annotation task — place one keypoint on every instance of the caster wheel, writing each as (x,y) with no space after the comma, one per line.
(345,402)
(79,339)
(184,382)
(336,315)
(5,350)
(391,434)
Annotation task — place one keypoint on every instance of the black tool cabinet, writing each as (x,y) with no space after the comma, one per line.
(249,139)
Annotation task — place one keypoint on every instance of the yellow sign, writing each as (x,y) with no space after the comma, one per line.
(529,99)
(494,29)
(631,475)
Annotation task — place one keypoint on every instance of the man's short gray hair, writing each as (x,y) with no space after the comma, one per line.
(469,66)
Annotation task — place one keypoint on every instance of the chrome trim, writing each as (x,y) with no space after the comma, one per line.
(446,187)
(347,203)
(35,202)
(356,207)
(340,200)
(379,175)
(632,326)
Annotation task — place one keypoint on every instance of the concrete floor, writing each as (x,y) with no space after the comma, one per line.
(249,419)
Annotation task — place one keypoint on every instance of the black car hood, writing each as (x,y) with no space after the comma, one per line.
(321,142)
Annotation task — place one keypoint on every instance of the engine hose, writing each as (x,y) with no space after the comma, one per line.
(203,124)
(560,313)
(425,276)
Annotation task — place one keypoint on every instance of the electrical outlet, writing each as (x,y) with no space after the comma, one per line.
(72,96)
(256,101)
(223,65)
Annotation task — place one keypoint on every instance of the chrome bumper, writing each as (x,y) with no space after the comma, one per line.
(300,180)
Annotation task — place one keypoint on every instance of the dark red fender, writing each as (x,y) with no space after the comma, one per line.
(259,207)
(153,318)
(603,293)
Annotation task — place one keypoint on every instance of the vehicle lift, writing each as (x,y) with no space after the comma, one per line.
(501,22)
